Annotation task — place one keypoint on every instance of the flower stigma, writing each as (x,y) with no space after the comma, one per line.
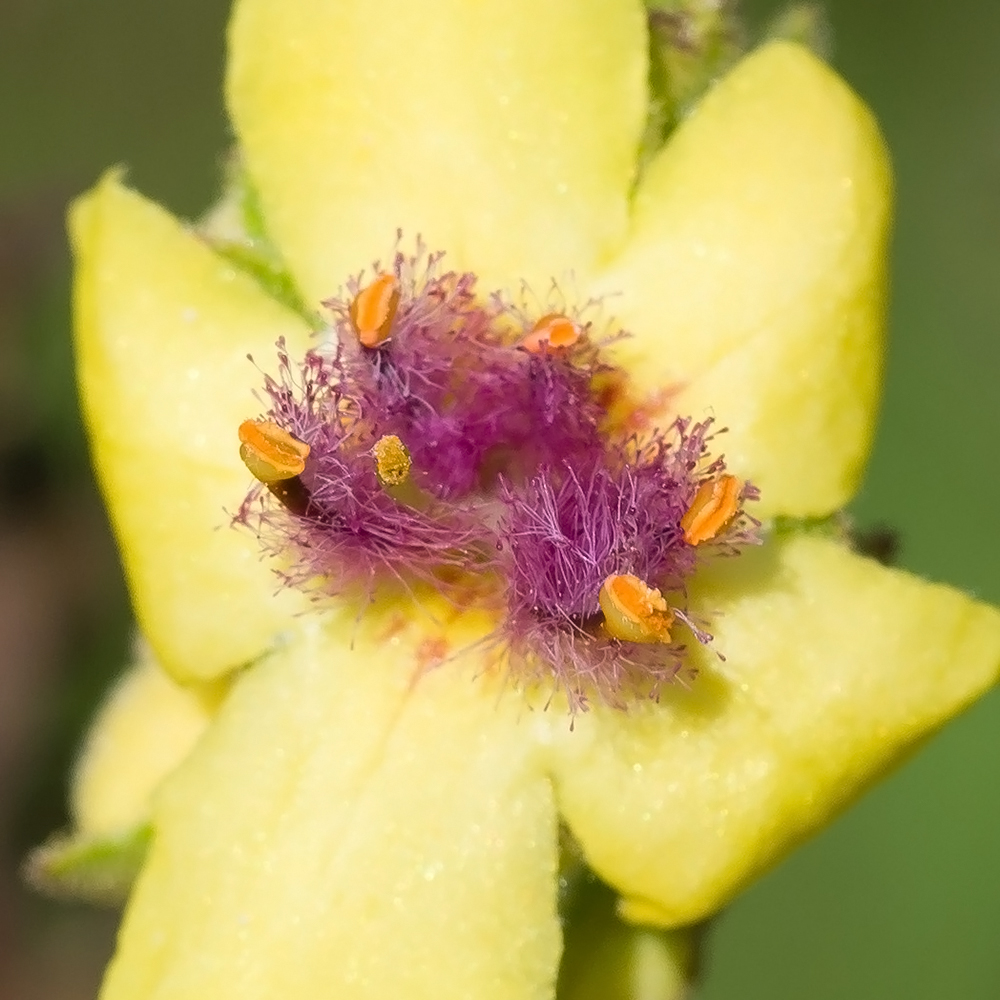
(514,484)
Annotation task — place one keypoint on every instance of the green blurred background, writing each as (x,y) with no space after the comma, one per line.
(902,896)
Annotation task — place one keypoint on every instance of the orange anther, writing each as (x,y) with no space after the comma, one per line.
(270,452)
(634,611)
(551,332)
(374,308)
(715,504)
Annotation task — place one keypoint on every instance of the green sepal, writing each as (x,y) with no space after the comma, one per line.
(605,958)
(268,272)
(879,542)
(805,23)
(236,230)
(693,43)
(97,870)
(833,525)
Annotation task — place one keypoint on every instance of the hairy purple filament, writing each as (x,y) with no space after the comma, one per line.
(568,529)
(349,530)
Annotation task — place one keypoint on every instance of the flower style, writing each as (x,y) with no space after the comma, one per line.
(373,812)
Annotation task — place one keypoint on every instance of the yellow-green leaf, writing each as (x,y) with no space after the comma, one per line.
(99,870)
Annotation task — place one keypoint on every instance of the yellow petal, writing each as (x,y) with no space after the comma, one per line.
(504,132)
(835,666)
(163,327)
(355,825)
(145,728)
(754,278)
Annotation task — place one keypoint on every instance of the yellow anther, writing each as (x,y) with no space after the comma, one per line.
(392,460)
(551,332)
(270,452)
(634,611)
(715,504)
(374,308)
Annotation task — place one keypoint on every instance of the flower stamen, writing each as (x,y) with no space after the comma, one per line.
(551,333)
(715,504)
(373,309)
(634,611)
(270,452)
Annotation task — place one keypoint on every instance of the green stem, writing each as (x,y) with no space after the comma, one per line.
(605,958)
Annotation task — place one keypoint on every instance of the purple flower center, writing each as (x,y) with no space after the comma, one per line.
(451,438)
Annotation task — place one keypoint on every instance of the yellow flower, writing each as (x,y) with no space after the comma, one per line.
(352,823)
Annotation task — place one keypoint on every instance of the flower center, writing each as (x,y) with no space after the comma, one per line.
(462,442)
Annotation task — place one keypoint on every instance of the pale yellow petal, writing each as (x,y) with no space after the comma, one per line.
(835,666)
(754,278)
(142,732)
(357,824)
(505,132)
(163,328)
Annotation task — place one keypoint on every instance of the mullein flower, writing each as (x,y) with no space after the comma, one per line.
(375,809)
(383,453)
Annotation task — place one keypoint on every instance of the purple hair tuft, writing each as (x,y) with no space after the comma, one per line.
(567,530)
